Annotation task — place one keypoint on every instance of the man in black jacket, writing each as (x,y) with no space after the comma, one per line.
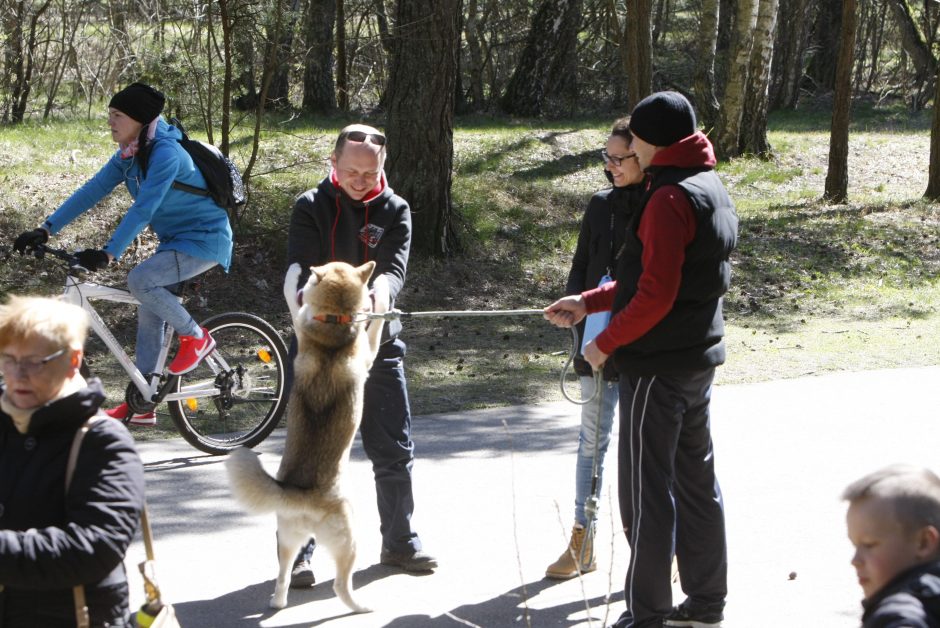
(353,216)
(666,338)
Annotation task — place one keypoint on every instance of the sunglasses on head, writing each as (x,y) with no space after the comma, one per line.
(361,136)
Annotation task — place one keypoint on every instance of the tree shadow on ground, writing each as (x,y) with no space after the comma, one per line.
(512,608)
(786,266)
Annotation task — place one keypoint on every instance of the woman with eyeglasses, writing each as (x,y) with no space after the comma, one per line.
(601,236)
(193,230)
(52,538)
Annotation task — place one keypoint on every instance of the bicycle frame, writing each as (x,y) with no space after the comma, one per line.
(81,293)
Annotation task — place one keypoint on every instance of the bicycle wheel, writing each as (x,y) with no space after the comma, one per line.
(246,372)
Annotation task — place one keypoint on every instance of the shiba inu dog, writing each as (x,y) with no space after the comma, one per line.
(335,352)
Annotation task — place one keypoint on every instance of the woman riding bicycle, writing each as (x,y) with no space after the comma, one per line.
(194,231)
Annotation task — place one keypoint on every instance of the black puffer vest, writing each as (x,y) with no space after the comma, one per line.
(689,337)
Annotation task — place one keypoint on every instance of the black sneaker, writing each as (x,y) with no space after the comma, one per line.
(409,561)
(690,615)
(301,576)
(624,621)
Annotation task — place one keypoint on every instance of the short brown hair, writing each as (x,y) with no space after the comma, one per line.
(913,492)
(621,128)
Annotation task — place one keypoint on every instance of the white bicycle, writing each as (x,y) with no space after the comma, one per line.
(234,397)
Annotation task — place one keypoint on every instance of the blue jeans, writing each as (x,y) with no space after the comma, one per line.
(589,422)
(150,282)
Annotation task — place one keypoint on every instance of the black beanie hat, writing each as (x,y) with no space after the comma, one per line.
(663,118)
(141,102)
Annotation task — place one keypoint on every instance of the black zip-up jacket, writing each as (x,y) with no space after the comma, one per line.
(50,541)
(328,226)
(602,233)
(910,600)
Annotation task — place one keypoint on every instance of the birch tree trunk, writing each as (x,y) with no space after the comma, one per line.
(753,139)
(704,80)
(550,45)
(729,129)
(837,178)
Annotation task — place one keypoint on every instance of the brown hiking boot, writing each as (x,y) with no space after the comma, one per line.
(566,567)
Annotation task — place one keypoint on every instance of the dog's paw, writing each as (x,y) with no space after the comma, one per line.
(278,601)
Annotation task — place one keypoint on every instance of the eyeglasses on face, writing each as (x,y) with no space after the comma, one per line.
(613,160)
(361,136)
(27,366)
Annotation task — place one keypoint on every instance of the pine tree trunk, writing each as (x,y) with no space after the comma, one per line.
(837,178)
(754,120)
(420,98)
(933,178)
(729,129)
(639,50)
(319,95)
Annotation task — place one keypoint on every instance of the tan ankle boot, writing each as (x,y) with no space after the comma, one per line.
(566,566)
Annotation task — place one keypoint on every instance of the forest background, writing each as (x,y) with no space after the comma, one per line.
(822,114)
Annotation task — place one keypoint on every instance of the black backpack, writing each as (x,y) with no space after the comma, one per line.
(223,181)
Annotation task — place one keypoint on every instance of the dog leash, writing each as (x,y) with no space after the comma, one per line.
(394,315)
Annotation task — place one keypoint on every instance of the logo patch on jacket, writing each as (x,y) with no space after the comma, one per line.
(371,234)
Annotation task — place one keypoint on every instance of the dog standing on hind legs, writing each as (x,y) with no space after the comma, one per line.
(335,353)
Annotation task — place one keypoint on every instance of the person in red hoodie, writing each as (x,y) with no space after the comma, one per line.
(666,338)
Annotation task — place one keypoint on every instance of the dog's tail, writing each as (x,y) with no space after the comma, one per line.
(257,490)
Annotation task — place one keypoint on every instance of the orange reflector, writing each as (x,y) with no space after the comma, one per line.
(192,404)
(264,355)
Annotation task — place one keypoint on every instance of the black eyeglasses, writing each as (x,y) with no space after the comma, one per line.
(28,366)
(361,136)
(615,161)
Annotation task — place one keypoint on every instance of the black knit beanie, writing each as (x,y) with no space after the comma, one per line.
(141,102)
(663,118)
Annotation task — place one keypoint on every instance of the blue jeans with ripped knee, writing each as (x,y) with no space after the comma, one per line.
(151,282)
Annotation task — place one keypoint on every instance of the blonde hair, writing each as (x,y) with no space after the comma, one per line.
(30,318)
(913,493)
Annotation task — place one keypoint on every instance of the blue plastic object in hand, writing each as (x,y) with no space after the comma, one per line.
(597,322)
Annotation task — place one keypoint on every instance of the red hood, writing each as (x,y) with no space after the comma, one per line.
(695,151)
(373,193)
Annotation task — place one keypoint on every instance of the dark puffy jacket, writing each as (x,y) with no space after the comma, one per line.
(328,226)
(602,232)
(50,541)
(910,600)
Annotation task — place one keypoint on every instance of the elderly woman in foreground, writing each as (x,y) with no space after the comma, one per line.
(52,538)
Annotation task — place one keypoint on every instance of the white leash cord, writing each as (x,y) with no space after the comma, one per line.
(394,315)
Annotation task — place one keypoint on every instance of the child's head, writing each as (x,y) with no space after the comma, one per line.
(894,523)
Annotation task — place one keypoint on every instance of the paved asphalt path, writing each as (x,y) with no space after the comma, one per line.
(494,492)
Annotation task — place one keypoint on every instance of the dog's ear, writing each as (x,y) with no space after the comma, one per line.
(365,271)
(319,272)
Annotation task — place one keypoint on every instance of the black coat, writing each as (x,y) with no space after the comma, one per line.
(598,242)
(910,600)
(328,226)
(50,541)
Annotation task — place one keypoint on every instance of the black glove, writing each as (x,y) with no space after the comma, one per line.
(29,240)
(93,259)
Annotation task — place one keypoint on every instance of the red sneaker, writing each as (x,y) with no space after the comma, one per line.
(191,352)
(148,419)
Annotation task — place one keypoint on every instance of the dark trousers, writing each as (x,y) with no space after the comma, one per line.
(386,439)
(670,502)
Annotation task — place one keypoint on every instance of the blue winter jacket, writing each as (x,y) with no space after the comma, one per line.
(183,221)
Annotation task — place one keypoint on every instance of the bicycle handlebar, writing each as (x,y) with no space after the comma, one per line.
(39,251)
